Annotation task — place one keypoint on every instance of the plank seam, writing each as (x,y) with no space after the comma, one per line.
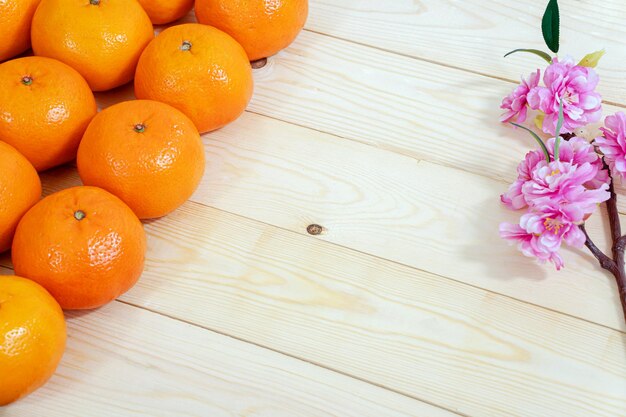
(301,359)
(434,62)
(298,358)
(394,262)
(302,234)
(383,149)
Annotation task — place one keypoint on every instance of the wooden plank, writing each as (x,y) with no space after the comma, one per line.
(423,215)
(427,216)
(125,361)
(384,103)
(415,108)
(453,345)
(474,34)
(306,85)
(457,346)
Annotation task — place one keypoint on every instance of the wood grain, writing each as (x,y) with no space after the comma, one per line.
(419,109)
(125,361)
(415,108)
(408,287)
(474,35)
(453,345)
(423,215)
(405,329)
(431,217)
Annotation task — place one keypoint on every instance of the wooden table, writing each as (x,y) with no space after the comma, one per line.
(380,125)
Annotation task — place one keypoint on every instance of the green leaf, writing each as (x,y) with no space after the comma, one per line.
(591,60)
(559,126)
(537,52)
(537,138)
(550,26)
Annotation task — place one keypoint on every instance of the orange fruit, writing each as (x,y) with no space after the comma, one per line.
(147,153)
(15,19)
(166,11)
(20,189)
(200,70)
(82,244)
(45,107)
(32,337)
(262,27)
(101,39)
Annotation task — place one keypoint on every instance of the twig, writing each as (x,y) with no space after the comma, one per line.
(614,265)
(605,262)
(611,207)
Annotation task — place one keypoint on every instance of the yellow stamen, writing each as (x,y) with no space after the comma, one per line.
(553,225)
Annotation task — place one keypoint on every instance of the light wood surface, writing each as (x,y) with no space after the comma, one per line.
(123,360)
(408,303)
(473,35)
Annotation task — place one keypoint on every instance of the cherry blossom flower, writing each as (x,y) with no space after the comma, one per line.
(579,151)
(541,234)
(531,245)
(559,195)
(576,151)
(515,103)
(564,80)
(613,143)
(562,184)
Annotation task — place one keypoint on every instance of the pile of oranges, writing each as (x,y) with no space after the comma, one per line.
(83,247)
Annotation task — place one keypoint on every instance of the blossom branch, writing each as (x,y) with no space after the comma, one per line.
(614,221)
(616,264)
(605,262)
(562,184)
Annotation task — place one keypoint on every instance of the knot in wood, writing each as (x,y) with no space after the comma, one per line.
(259,63)
(314,229)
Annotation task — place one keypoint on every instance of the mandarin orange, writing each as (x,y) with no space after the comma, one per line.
(262,27)
(199,70)
(15,19)
(32,337)
(83,244)
(45,107)
(20,189)
(101,39)
(147,153)
(166,11)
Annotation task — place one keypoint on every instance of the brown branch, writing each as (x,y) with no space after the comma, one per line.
(614,265)
(611,207)
(618,255)
(605,262)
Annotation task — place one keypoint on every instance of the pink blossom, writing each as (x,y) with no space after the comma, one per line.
(576,151)
(613,143)
(564,80)
(532,245)
(514,198)
(541,234)
(562,184)
(515,103)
